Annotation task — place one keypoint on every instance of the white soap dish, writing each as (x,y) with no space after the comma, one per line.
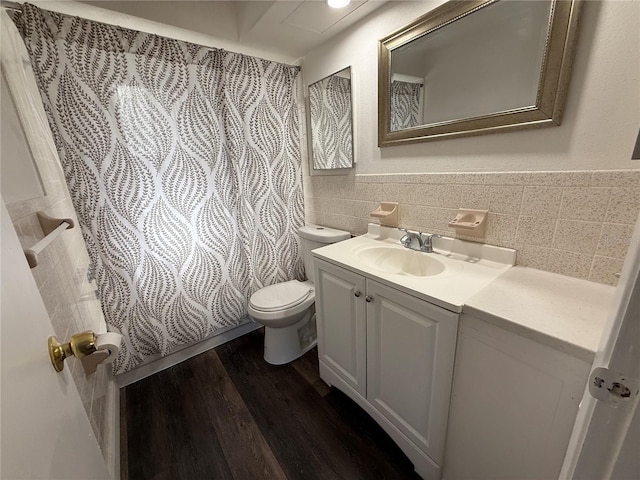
(470,222)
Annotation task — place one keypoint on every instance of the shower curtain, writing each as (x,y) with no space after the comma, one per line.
(405,105)
(183,164)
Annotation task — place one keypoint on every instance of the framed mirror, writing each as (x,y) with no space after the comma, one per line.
(474,67)
(330,121)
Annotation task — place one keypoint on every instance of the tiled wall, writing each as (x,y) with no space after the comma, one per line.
(576,223)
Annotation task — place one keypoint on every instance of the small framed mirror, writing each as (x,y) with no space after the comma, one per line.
(330,120)
(473,67)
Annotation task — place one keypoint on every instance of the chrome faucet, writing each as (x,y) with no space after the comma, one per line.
(422,242)
(411,240)
(427,242)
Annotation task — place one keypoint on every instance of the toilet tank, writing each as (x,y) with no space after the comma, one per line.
(316,236)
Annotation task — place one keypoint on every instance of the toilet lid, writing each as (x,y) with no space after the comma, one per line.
(280,296)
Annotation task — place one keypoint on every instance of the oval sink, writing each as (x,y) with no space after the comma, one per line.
(401,261)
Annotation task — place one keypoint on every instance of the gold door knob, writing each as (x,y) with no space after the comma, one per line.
(80,345)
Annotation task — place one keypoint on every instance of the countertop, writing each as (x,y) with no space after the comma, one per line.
(469,267)
(564,313)
(567,314)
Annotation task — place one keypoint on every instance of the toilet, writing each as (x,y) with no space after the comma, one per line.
(287,309)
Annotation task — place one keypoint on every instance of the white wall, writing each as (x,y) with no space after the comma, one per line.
(601,118)
(19,178)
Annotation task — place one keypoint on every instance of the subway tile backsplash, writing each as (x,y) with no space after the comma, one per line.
(575,223)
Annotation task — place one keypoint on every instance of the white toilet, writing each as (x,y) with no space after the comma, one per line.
(287,309)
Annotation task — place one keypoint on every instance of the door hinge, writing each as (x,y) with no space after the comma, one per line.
(611,387)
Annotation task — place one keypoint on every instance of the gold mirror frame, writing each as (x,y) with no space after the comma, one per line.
(552,86)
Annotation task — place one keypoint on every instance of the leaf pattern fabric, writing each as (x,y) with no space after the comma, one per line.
(405,105)
(183,164)
(331,123)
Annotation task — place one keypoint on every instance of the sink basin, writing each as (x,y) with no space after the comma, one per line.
(449,276)
(401,261)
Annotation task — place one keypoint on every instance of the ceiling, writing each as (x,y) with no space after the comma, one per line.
(286,27)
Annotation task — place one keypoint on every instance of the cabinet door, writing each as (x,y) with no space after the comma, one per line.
(513,405)
(341,323)
(410,354)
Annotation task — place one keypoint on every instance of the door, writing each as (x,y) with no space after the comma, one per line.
(44,430)
(605,437)
(410,355)
(341,323)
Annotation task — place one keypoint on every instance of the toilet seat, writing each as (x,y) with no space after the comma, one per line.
(280,296)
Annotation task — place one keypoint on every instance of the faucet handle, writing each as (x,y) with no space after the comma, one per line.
(405,239)
(427,242)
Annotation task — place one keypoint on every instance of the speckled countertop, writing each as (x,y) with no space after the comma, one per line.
(564,313)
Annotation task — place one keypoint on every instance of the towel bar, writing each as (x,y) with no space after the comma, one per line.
(52,228)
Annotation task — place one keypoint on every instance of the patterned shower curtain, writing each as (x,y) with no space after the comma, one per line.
(331,123)
(183,164)
(405,105)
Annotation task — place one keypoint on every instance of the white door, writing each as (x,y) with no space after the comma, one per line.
(341,323)
(44,430)
(606,437)
(410,354)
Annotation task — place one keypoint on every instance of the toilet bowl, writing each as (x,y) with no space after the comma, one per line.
(287,309)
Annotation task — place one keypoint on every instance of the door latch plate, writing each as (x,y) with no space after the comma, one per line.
(611,387)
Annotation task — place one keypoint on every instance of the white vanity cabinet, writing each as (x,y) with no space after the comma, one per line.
(340,304)
(393,354)
(513,405)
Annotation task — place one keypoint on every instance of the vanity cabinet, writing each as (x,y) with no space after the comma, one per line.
(340,303)
(393,354)
(513,405)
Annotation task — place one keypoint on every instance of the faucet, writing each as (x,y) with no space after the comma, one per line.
(422,242)
(411,240)
(427,242)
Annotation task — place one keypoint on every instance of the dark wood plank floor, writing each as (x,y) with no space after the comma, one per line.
(227,414)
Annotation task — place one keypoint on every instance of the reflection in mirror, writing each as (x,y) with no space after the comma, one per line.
(483,63)
(471,67)
(406,101)
(331,122)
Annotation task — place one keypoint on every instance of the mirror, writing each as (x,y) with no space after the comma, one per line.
(330,121)
(476,67)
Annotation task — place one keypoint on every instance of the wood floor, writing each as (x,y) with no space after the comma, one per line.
(227,414)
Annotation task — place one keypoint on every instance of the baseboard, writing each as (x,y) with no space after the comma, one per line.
(162,363)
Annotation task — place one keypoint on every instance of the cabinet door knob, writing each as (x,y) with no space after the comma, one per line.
(356,293)
(368,299)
